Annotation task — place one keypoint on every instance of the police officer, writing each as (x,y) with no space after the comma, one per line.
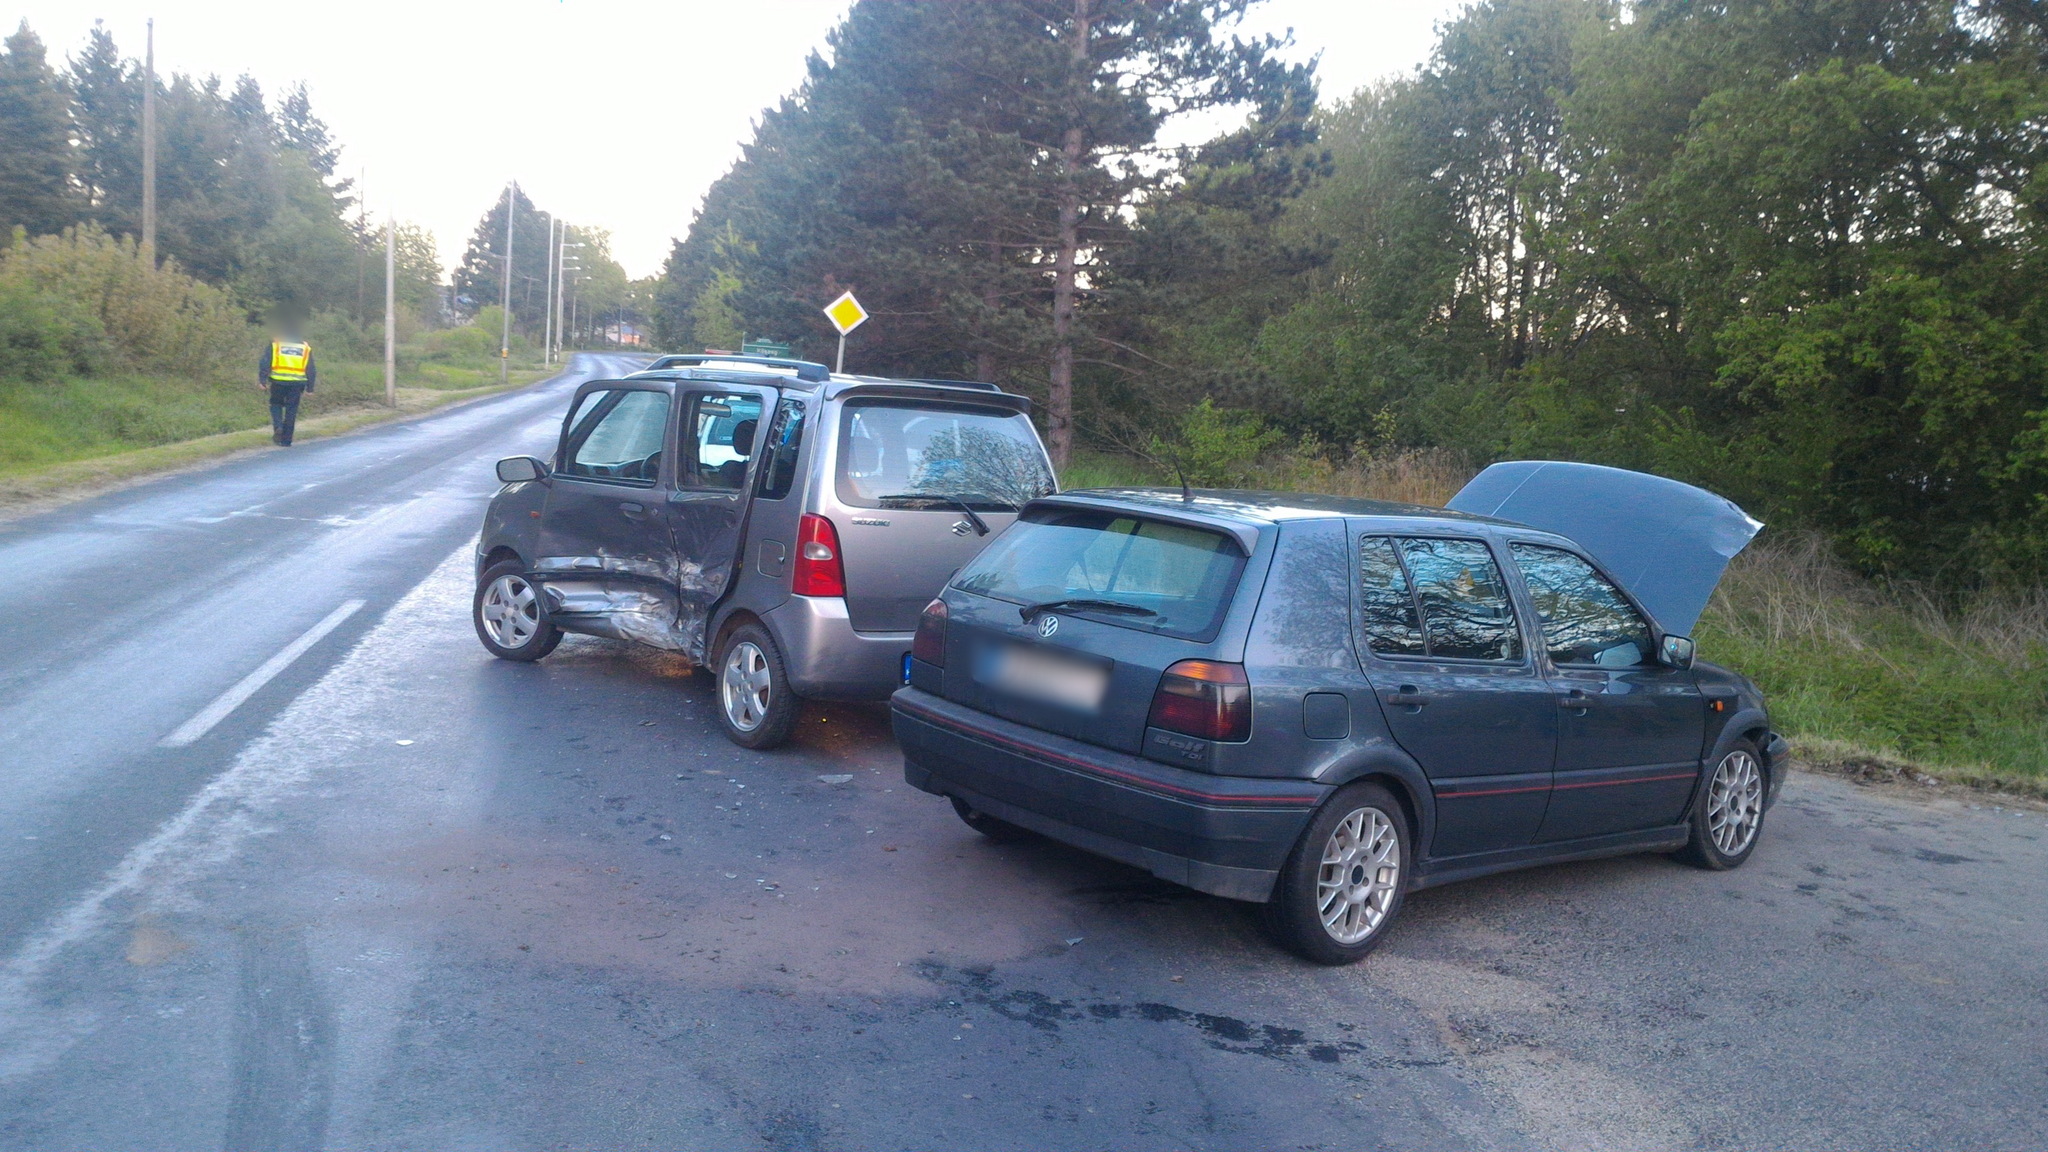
(286,368)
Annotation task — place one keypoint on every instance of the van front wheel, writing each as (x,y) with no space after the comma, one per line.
(755,705)
(511,615)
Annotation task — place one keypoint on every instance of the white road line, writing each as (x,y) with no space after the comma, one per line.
(232,699)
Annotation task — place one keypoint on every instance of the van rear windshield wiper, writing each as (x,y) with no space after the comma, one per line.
(980,525)
(1085,604)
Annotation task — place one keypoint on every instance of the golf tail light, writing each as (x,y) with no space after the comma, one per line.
(930,644)
(818,569)
(1204,698)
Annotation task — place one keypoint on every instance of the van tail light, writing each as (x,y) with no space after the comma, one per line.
(1204,698)
(930,644)
(818,571)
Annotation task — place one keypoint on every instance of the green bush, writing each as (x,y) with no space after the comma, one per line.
(336,337)
(469,342)
(99,292)
(44,337)
(1218,447)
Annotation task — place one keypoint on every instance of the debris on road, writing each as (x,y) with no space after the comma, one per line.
(841,779)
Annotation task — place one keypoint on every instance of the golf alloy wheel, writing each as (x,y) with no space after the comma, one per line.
(511,611)
(1735,803)
(745,687)
(1360,874)
(1341,889)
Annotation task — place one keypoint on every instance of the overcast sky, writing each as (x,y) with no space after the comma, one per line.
(618,113)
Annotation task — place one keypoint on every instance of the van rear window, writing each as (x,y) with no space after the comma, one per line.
(906,454)
(1145,574)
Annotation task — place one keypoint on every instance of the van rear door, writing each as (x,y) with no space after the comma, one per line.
(922,485)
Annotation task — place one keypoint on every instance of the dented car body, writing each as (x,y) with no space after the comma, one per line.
(1320,704)
(717,495)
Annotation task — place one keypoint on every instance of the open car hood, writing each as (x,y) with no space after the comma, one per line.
(1667,542)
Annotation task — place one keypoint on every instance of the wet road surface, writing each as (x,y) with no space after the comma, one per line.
(406,896)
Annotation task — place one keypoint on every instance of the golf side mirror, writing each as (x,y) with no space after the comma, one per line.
(1678,651)
(519,469)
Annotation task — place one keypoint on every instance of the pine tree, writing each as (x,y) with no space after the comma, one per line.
(972,170)
(106,109)
(307,133)
(36,189)
(479,281)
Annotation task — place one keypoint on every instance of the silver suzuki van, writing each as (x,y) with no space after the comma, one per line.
(781,525)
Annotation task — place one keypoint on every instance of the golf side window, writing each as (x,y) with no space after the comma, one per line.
(1392,625)
(616,436)
(1586,620)
(1439,598)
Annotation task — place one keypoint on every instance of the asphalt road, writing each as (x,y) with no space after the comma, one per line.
(407,896)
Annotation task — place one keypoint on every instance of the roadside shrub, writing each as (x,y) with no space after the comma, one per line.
(43,338)
(147,319)
(334,336)
(469,342)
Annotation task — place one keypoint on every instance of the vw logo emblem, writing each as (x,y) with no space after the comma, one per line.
(1047,625)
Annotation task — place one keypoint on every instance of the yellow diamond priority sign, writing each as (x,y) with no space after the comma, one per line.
(846,313)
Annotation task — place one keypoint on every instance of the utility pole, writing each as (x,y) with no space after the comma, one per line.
(149,145)
(505,337)
(391,311)
(567,284)
(547,304)
(562,244)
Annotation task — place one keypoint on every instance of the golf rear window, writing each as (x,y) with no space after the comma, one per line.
(1149,575)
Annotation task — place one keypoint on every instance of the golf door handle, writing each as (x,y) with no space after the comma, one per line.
(1405,698)
(633,510)
(1577,699)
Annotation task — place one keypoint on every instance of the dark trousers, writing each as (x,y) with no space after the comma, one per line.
(284,410)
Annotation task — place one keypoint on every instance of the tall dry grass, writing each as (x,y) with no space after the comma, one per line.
(1422,476)
(1904,674)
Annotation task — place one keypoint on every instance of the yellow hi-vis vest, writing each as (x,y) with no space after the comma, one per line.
(288,361)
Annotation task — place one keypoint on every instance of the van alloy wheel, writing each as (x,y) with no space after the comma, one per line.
(757,708)
(1361,872)
(511,611)
(744,686)
(1735,802)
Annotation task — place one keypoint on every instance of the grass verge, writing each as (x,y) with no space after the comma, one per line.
(75,437)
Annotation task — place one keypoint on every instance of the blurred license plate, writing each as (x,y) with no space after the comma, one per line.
(1037,674)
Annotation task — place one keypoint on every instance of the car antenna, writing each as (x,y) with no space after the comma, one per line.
(1187,494)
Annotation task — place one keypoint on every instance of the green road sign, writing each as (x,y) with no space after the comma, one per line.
(774,349)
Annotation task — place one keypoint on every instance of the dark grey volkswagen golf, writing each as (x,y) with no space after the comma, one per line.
(1320,704)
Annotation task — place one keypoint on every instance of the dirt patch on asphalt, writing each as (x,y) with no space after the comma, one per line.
(1899,778)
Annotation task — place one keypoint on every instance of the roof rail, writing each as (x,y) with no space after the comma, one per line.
(982,385)
(804,369)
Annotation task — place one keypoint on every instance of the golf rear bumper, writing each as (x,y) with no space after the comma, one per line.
(1225,835)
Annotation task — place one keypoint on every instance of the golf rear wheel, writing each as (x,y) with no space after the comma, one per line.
(1342,886)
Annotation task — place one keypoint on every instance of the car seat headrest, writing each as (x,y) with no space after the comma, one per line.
(743,437)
